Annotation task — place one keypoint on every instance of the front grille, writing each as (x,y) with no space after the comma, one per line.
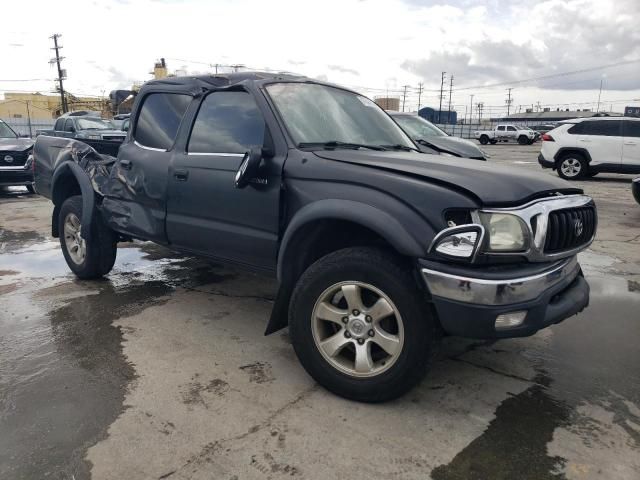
(118,138)
(569,228)
(18,159)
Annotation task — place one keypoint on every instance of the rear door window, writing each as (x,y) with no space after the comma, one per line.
(227,122)
(631,128)
(603,128)
(68,126)
(501,128)
(159,119)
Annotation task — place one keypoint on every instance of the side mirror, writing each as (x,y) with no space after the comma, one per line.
(249,167)
(125,128)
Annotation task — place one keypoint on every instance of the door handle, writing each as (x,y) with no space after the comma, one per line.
(630,143)
(181,175)
(125,164)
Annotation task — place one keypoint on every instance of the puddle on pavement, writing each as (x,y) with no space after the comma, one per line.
(63,376)
(590,359)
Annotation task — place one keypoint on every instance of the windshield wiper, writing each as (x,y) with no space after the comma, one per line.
(426,143)
(336,144)
(399,146)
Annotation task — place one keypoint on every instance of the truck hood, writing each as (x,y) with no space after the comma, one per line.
(15,144)
(491,184)
(454,145)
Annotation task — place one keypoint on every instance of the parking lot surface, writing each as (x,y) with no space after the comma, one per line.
(161,371)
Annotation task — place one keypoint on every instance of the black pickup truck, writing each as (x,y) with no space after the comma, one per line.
(378,249)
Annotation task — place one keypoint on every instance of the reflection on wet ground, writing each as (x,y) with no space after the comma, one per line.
(590,360)
(63,376)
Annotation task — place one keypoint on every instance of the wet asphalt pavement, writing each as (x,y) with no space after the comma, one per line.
(161,371)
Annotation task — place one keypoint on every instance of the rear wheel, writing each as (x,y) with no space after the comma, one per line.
(360,326)
(31,189)
(90,258)
(572,166)
(484,139)
(493,142)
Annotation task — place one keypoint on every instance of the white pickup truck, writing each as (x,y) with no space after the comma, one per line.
(506,133)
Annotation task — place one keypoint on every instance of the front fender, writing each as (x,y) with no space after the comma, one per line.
(88,196)
(365,215)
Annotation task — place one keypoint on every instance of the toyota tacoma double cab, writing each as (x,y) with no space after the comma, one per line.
(506,133)
(379,250)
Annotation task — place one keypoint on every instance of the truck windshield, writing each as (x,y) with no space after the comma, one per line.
(322,115)
(417,127)
(6,132)
(93,124)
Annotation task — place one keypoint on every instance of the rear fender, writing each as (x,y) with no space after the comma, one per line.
(58,196)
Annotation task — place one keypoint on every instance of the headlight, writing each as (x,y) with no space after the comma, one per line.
(506,232)
(458,242)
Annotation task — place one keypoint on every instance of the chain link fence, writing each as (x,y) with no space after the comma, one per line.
(22,126)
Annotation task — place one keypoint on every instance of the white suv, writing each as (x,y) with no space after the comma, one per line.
(588,146)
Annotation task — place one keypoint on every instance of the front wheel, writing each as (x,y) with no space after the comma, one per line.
(31,188)
(523,140)
(90,258)
(360,326)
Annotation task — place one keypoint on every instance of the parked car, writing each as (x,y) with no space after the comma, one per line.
(84,125)
(15,159)
(505,133)
(426,134)
(587,146)
(377,248)
(635,188)
(542,129)
(119,121)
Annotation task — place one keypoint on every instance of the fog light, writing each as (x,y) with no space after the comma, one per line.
(510,320)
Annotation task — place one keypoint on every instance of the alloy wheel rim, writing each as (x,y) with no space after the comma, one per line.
(571,167)
(76,245)
(357,329)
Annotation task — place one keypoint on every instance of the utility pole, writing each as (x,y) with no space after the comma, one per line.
(420,85)
(471,110)
(600,93)
(441,95)
(449,109)
(509,101)
(404,95)
(61,72)
(236,67)
(480,106)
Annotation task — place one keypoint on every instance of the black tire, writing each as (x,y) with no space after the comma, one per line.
(101,249)
(31,188)
(577,161)
(484,139)
(387,273)
(493,142)
(523,140)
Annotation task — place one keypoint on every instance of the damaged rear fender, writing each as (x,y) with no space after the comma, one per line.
(61,190)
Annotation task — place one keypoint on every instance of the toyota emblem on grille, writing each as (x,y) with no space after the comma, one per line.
(8,158)
(578,227)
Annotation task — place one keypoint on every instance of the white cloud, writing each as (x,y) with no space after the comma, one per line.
(387,43)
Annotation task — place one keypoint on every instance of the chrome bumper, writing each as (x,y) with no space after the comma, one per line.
(481,291)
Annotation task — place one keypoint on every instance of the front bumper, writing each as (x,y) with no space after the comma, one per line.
(468,302)
(13,176)
(544,163)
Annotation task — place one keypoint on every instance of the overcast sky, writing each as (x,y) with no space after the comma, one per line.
(373,45)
